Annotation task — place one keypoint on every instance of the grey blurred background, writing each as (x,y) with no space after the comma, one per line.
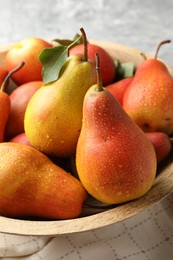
(140,24)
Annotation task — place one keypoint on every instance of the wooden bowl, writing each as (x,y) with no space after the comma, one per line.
(162,186)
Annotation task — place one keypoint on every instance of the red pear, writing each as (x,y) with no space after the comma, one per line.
(3,74)
(4,113)
(161,143)
(28,51)
(118,88)
(19,100)
(115,160)
(148,99)
(5,102)
(21,139)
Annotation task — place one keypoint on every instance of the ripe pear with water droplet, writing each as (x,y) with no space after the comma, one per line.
(148,99)
(53,116)
(31,185)
(115,160)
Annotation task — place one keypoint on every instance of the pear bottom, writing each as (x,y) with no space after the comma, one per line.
(115,163)
(114,181)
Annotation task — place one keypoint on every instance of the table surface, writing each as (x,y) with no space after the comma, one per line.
(139,24)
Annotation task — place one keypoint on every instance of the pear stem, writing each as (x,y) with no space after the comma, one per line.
(5,82)
(99,78)
(144,56)
(171,140)
(158,48)
(85,42)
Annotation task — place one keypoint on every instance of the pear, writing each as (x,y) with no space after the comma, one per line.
(162,144)
(19,99)
(31,185)
(20,138)
(115,160)
(4,112)
(118,88)
(5,103)
(148,99)
(53,117)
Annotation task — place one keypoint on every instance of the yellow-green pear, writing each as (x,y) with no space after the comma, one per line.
(32,185)
(53,116)
(115,160)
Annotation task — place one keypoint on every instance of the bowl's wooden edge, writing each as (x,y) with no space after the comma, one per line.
(162,187)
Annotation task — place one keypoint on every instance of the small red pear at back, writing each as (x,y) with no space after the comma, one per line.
(118,88)
(19,100)
(162,144)
(5,103)
(3,74)
(21,139)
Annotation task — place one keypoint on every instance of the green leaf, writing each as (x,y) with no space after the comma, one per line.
(66,42)
(78,39)
(52,60)
(128,69)
(124,70)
